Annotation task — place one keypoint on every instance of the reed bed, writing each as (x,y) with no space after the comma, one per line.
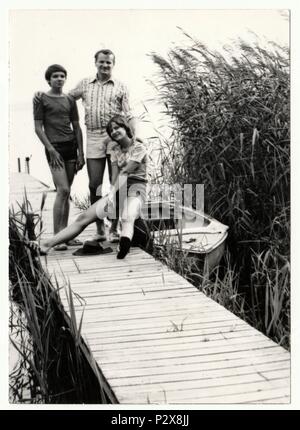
(230,117)
(51,367)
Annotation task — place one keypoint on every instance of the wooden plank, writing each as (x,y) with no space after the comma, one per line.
(141,336)
(93,298)
(122,287)
(247,351)
(235,394)
(151,299)
(261,392)
(273,400)
(111,266)
(160,276)
(202,343)
(98,268)
(106,277)
(158,329)
(200,374)
(221,359)
(205,387)
(174,299)
(164,324)
(87,262)
(201,349)
(174,321)
(136,282)
(170,369)
(144,320)
(168,343)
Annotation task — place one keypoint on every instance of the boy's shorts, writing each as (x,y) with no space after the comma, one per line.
(67,150)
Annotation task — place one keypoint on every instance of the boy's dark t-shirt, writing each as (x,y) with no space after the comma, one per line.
(57,113)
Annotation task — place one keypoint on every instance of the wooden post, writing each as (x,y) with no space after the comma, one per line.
(19,165)
(27,165)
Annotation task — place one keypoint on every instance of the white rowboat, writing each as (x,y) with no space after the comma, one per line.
(166,224)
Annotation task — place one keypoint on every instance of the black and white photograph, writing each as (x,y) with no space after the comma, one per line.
(149,218)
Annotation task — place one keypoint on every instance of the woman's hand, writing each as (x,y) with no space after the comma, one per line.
(56,162)
(80,162)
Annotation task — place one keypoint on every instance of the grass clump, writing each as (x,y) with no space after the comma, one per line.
(82,203)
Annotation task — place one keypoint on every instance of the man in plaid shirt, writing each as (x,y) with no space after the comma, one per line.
(103,97)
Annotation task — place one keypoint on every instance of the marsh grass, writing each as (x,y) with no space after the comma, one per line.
(82,203)
(230,117)
(51,367)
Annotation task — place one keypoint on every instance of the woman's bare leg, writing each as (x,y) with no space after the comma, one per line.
(129,215)
(93,213)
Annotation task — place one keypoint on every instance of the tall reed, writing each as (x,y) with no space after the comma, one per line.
(230,117)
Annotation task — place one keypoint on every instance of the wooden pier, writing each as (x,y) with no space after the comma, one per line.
(155,337)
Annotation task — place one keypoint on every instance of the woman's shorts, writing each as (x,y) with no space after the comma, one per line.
(132,188)
(67,150)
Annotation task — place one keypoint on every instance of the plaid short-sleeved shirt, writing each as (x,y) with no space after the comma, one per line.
(136,152)
(102,101)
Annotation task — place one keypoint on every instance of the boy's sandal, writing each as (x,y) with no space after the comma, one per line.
(99,237)
(60,247)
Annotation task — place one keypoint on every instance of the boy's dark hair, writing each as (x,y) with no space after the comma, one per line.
(121,121)
(105,52)
(54,68)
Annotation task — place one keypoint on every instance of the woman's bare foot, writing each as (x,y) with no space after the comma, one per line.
(44,248)
(37,247)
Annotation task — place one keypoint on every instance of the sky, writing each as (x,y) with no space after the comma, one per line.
(38,34)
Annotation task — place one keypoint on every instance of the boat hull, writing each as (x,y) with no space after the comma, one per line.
(164,226)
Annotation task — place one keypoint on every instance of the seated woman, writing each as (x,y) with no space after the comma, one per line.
(129,162)
(56,123)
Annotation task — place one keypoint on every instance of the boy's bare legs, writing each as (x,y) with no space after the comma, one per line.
(60,207)
(70,167)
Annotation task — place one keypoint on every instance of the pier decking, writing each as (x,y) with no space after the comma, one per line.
(155,337)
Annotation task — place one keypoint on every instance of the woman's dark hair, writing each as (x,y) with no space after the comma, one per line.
(121,121)
(52,69)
